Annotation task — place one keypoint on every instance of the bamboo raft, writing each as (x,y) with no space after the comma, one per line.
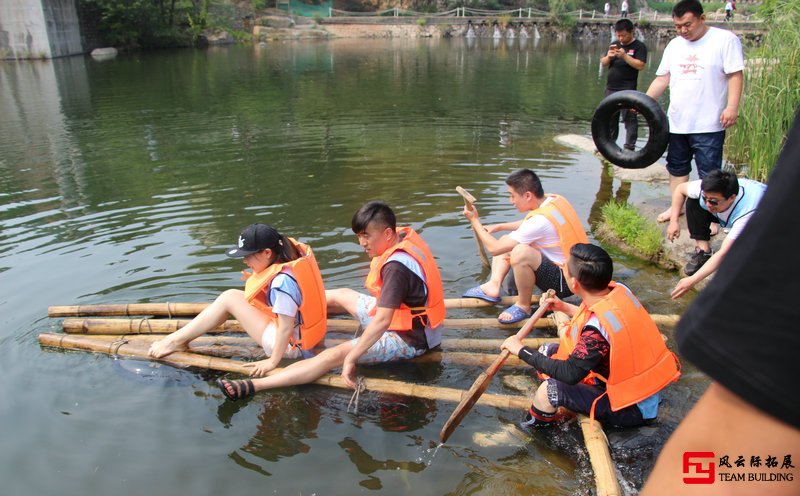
(114,330)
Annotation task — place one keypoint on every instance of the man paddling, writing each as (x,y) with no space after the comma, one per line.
(402,319)
(535,249)
(611,363)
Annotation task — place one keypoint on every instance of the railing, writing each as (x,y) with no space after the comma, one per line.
(527,13)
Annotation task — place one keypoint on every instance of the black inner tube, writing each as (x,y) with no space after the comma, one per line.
(607,115)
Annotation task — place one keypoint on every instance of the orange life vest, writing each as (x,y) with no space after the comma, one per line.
(412,244)
(565,220)
(640,364)
(313,308)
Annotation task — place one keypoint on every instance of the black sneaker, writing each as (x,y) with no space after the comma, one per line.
(699,258)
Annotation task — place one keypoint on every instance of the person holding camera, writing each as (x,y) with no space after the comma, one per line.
(624,59)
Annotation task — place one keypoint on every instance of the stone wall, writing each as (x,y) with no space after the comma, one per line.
(39,29)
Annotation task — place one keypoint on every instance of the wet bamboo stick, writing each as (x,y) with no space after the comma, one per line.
(245,347)
(112,325)
(192,309)
(210,342)
(183,359)
(605,476)
(104,325)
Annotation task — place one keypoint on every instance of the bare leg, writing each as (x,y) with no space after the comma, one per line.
(674,181)
(524,260)
(230,302)
(540,400)
(500,266)
(343,300)
(306,371)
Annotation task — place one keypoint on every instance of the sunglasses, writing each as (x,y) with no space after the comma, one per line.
(711,201)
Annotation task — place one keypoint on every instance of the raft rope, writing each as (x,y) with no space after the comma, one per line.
(360,386)
(116,345)
(145,320)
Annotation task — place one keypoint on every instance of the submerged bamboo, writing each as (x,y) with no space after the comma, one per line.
(184,359)
(594,438)
(247,348)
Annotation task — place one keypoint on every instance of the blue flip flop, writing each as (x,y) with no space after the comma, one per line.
(517,315)
(477,292)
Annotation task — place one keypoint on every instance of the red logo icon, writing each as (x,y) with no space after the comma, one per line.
(698,466)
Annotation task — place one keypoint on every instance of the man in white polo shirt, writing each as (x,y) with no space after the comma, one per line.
(703,68)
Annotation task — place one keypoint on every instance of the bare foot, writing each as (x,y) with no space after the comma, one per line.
(714,228)
(665,215)
(164,347)
(490,290)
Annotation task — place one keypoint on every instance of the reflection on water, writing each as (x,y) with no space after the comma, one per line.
(124,181)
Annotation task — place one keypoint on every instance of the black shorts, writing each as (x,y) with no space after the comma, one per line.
(579,397)
(550,276)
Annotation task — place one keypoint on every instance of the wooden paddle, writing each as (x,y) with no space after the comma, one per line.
(468,201)
(469,398)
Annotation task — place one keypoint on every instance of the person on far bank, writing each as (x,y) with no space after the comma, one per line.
(624,59)
(535,249)
(624,9)
(606,9)
(282,306)
(610,363)
(703,69)
(718,198)
(402,319)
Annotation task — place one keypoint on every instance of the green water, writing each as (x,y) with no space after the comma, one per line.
(124,180)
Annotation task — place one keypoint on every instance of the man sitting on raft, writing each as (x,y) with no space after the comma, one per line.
(401,320)
(535,249)
(282,306)
(612,361)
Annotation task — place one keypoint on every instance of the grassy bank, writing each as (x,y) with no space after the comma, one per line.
(771,94)
(627,224)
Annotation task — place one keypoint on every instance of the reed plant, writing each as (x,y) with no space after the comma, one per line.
(771,94)
(631,227)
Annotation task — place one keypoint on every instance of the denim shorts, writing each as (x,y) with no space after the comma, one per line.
(706,148)
(390,346)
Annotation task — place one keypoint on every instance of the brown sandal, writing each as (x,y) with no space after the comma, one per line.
(241,389)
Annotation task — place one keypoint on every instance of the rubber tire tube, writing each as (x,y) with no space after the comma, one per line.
(604,118)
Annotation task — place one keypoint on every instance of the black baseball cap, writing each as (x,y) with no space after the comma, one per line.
(254,238)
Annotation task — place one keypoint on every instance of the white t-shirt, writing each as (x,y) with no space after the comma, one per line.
(728,6)
(624,5)
(698,82)
(537,230)
(694,190)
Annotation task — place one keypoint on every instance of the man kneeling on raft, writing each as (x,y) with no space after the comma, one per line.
(612,361)
(282,306)
(401,320)
(535,249)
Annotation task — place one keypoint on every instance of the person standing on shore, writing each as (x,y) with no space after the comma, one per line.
(624,9)
(703,69)
(624,59)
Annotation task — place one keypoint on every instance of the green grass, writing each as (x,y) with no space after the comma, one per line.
(771,93)
(631,227)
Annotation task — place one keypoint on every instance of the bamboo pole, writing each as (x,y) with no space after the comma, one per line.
(448,344)
(184,359)
(245,347)
(605,476)
(166,326)
(192,309)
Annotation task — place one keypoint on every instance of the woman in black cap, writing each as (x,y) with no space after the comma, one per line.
(282,306)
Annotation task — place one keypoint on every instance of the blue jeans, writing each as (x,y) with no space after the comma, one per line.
(706,148)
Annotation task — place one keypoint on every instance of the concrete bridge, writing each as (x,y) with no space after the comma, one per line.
(39,29)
